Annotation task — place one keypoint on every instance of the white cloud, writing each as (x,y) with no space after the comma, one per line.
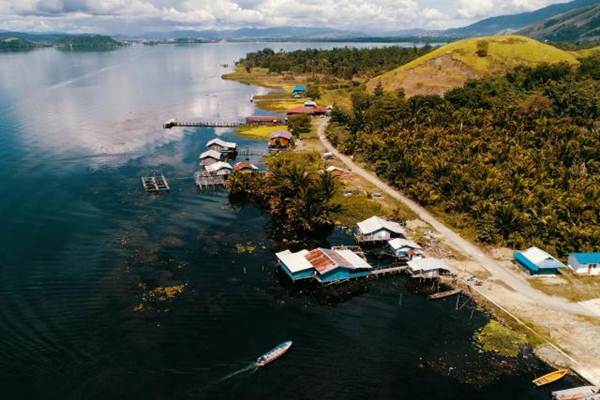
(354,15)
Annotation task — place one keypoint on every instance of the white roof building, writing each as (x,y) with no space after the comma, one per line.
(222,143)
(401,243)
(219,168)
(295,262)
(379,229)
(427,267)
(210,154)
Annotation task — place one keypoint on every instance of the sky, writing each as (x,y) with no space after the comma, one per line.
(138,16)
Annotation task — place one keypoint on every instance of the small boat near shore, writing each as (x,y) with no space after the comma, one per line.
(273,354)
(551,377)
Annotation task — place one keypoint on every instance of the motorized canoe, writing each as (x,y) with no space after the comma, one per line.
(551,377)
(273,354)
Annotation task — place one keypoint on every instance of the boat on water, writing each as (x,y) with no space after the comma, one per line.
(273,354)
(551,377)
(578,393)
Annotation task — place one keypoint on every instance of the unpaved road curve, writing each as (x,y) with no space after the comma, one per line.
(463,246)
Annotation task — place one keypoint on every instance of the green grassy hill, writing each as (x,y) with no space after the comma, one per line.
(452,65)
(587,52)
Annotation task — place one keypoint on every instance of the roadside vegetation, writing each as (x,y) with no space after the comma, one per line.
(513,159)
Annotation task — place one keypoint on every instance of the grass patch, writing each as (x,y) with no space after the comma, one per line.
(355,208)
(260,132)
(495,337)
(503,54)
(573,287)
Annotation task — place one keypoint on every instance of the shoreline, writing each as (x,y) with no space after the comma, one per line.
(557,348)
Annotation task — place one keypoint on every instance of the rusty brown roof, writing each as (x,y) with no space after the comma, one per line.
(325,260)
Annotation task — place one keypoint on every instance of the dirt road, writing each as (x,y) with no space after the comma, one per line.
(461,245)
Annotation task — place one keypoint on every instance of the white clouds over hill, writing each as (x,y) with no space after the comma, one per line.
(149,15)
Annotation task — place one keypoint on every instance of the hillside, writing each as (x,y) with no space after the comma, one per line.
(505,23)
(16,44)
(587,52)
(87,42)
(452,65)
(578,25)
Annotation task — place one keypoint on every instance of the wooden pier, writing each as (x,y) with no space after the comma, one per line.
(155,184)
(443,295)
(202,124)
(206,181)
(376,273)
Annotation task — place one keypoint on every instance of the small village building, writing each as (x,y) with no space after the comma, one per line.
(268,120)
(221,146)
(405,249)
(537,261)
(585,263)
(377,229)
(427,268)
(298,91)
(311,111)
(210,157)
(336,172)
(220,168)
(310,104)
(245,167)
(327,266)
(280,140)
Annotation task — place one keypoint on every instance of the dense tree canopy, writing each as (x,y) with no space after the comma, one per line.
(296,192)
(513,159)
(343,63)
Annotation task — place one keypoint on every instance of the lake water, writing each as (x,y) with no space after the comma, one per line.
(83,248)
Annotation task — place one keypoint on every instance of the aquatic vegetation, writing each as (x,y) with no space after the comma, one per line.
(168,292)
(495,337)
(247,248)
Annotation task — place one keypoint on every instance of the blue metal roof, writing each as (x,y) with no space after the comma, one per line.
(587,258)
(299,88)
(545,268)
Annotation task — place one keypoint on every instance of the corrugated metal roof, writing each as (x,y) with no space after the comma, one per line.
(427,264)
(587,258)
(219,165)
(538,256)
(324,260)
(281,134)
(354,260)
(222,143)
(400,243)
(375,224)
(245,165)
(295,262)
(210,154)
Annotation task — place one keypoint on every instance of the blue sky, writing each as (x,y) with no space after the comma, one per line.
(133,16)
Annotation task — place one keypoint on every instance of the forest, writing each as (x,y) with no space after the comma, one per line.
(511,160)
(342,63)
(297,194)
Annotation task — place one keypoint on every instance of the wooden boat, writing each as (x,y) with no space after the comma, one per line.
(273,354)
(551,377)
(578,393)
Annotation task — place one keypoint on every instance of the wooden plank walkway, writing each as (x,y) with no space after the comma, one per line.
(387,271)
(443,295)
(155,184)
(203,124)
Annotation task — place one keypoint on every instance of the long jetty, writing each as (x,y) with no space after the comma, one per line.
(202,124)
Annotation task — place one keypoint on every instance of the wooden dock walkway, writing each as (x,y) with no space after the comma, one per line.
(376,273)
(202,124)
(155,184)
(443,295)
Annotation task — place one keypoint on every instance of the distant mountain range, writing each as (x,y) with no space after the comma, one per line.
(580,24)
(515,22)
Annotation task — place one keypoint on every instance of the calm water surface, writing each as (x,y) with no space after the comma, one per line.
(83,248)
